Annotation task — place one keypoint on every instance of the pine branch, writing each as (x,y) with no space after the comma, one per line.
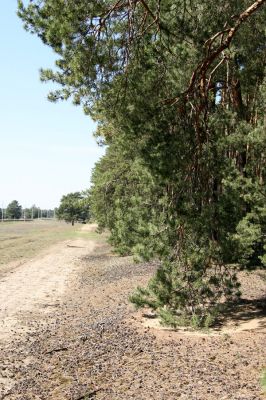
(202,68)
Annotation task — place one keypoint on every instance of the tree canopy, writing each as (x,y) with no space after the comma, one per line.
(178,91)
(73,207)
(13,210)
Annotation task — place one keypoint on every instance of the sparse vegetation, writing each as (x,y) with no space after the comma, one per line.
(23,240)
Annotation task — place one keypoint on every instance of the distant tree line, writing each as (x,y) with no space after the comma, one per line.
(15,211)
(74,207)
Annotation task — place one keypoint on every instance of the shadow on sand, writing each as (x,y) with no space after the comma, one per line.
(243,314)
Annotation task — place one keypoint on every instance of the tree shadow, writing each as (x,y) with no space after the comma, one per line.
(246,314)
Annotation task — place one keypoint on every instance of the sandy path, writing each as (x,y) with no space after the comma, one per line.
(76,337)
(38,285)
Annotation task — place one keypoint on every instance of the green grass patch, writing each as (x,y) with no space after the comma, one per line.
(263,380)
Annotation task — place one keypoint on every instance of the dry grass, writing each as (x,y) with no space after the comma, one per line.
(23,240)
(263,380)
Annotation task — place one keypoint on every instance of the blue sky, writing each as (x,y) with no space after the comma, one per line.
(46,150)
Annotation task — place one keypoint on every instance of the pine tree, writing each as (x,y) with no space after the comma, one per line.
(74,207)
(178,91)
(13,210)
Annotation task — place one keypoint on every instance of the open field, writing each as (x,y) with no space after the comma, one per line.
(22,240)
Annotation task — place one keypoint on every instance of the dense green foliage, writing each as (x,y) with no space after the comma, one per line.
(73,207)
(13,210)
(178,90)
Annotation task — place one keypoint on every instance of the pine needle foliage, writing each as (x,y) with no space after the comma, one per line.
(178,91)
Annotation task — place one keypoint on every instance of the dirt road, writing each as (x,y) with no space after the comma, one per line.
(69,333)
(38,285)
